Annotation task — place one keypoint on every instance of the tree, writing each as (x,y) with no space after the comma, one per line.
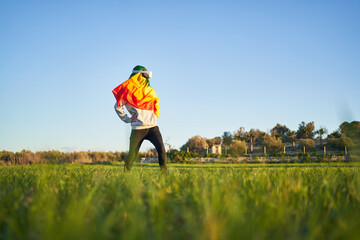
(214,141)
(227,139)
(195,144)
(351,131)
(280,131)
(7,157)
(278,136)
(240,134)
(306,130)
(347,135)
(335,134)
(292,135)
(321,131)
(237,148)
(251,136)
(308,143)
(81,157)
(210,142)
(338,143)
(259,136)
(273,144)
(24,157)
(217,140)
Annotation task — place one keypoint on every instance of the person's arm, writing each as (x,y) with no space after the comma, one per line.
(120,112)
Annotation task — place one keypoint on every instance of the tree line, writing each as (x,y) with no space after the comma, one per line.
(27,157)
(242,142)
(238,143)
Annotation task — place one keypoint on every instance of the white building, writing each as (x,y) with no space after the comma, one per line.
(215,149)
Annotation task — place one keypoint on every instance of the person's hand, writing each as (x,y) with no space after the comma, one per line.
(133,118)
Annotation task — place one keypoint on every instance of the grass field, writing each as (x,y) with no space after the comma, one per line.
(209,201)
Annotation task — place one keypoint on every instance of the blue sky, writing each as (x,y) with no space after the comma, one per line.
(217,66)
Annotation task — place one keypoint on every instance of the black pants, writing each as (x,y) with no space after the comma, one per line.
(137,137)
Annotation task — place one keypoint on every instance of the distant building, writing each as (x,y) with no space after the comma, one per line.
(215,149)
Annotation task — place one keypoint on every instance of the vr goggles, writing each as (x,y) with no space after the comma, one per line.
(147,74)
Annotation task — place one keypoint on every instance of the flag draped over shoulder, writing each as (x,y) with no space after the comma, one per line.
(138,93)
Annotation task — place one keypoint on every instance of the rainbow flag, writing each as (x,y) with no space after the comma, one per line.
(138,94)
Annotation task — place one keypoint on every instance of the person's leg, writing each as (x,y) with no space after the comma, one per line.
(154,136)
(136,139)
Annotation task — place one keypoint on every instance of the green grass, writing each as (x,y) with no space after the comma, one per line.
(197,201)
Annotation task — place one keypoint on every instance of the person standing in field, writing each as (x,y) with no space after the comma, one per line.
(144,106)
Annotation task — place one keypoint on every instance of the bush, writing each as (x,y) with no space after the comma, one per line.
(237,148)
(316,156)
(177,159)
(308,143)
(306,157)
(7,157)
(26,157)
(81,157)
(338,143)
(183,155)
(98,157)
(54,157)
(272,144)
(323,158)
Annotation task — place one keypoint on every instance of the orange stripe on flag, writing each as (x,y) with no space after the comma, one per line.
(143,98)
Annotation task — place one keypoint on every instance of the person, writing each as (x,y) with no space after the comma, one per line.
(143,104)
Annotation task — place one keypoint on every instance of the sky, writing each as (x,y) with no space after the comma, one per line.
(217,66)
